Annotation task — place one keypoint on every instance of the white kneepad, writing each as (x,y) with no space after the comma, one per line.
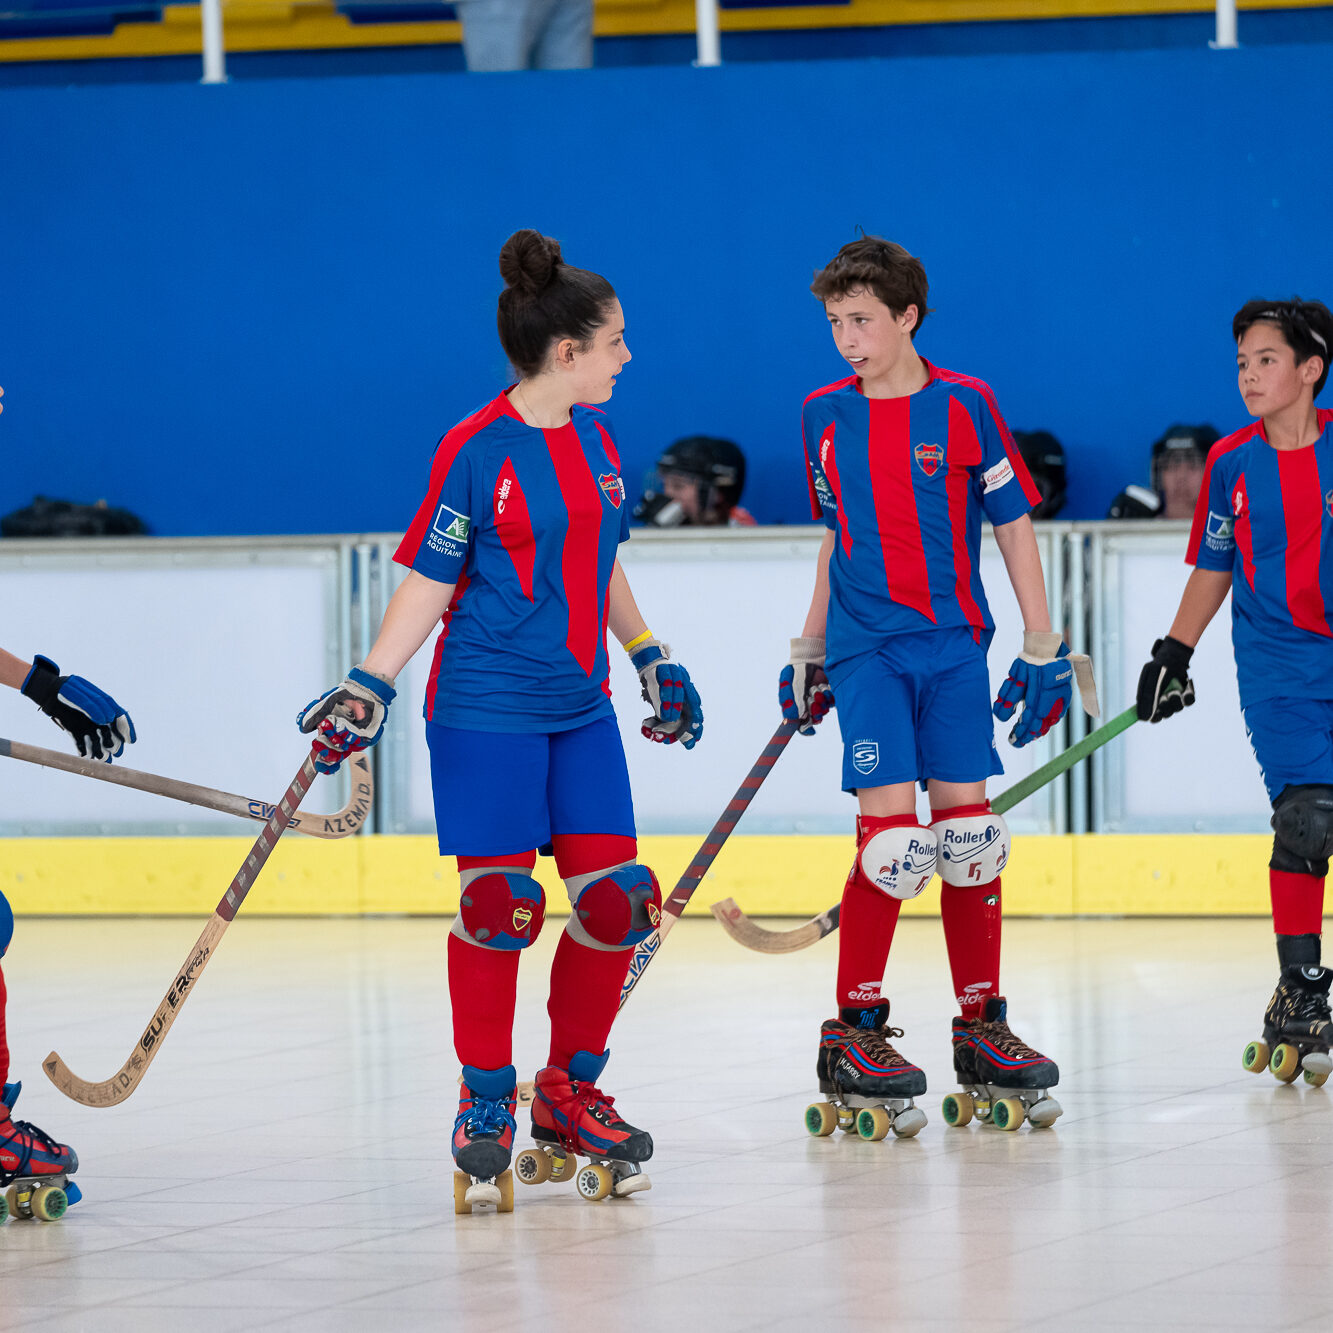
(973,849)
(899,861)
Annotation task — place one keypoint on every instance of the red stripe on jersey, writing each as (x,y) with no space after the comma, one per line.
(513,525)
(964,451)
(1240,507)
(815,510)
(608,444)
(433,680)
(1200,524)
(1303,513)
(1011,450)
(578,561)
(828,460)
(445,453)
(890,457)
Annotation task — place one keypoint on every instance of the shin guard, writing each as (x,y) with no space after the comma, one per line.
(971,911)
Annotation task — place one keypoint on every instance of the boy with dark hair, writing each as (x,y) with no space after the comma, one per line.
(904,461)
(1263,533)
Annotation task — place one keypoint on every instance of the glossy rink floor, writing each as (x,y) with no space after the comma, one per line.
(285,1164)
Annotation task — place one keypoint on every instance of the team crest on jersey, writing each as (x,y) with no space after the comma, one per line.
(865,756)
(929,458)
(612,487)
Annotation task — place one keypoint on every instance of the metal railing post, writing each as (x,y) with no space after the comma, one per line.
(709,38)
(215,55)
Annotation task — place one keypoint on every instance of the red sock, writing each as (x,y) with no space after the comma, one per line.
(585,995)
(4,1045)
(1298,902)
(971,917)
(483,987)
(867,923)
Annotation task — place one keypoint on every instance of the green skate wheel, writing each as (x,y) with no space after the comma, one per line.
(957,1109)
(1256,1056)
(1007,1113)
(12,1205)
(873,1123)
(4,1208)
(1286,1062)
(821,1119)
(49,1203)
(1316,1067)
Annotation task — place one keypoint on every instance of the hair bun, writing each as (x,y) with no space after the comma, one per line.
(528,261)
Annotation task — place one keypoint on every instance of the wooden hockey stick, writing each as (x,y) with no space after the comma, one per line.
(674,905)
(119,1086)
(337,825)
(744,931)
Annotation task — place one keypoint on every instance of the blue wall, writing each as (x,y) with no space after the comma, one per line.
(254,308)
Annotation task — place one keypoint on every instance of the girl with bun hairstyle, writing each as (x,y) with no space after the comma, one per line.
(513,553)
(1263,533)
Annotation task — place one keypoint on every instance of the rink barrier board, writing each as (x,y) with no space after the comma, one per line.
(1075,875)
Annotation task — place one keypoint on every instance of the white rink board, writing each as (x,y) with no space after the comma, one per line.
(211,652)
(1195,772)
(728,609)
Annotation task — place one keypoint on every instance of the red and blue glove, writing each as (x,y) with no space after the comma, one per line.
(348,718)
(100,726)
(1042,681)
(804,692)
(668,690)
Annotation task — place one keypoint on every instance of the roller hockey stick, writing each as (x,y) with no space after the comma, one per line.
(119,1086)
(705,856)
(744,931)
(337,825)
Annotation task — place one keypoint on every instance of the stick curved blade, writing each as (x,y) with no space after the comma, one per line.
(744,931)
(108,1093)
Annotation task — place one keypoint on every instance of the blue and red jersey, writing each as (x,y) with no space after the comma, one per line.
(526,522)
(1265,516)
(904,483)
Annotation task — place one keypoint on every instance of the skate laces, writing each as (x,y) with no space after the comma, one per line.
(488,1116)
(1006,1041)
(875,1043)
(589,1098)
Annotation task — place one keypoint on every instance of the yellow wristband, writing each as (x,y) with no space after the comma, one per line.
(642,639)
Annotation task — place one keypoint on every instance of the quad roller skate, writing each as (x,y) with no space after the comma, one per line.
(1297,1030)
(572,1118)
(868,1084)
(484,1139)
(35,1170)
(1004,1080)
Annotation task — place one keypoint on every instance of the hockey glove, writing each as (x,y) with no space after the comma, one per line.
(100,726)
(670,693)
(348,718)
(1042,680)
(1165,686)
(803,689)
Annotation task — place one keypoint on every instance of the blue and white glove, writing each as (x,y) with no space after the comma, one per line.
(1042,681)
(670,693)
(348,718)
(804,691)
(100,726)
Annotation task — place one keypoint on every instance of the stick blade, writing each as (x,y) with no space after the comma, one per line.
(108,1093)
(744,931)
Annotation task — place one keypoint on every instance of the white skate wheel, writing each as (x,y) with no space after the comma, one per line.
(909,1122)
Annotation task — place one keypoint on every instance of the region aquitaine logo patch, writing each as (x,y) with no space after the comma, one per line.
(612,487)
(929,458)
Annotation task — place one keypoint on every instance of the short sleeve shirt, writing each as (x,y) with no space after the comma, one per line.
(526,522)
(1265,516)
(905,483)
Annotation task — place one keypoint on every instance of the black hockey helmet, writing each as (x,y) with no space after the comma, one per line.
(1045,459)
(710,459)
(1181,442)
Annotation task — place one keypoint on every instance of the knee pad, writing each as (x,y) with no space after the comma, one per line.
(503,910)
(621,908)
(896,859)
(973,848)
(6,926)
(1303,829)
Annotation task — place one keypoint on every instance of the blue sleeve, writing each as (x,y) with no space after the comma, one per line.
(823,503)
(1212,542)
(1007,489)
(438,542)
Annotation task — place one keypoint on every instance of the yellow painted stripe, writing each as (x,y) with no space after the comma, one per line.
(280,25)
(1185,875)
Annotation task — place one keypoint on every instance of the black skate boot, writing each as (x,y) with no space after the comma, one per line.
(1297,1028)
(1004,1080)
(868,1084)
